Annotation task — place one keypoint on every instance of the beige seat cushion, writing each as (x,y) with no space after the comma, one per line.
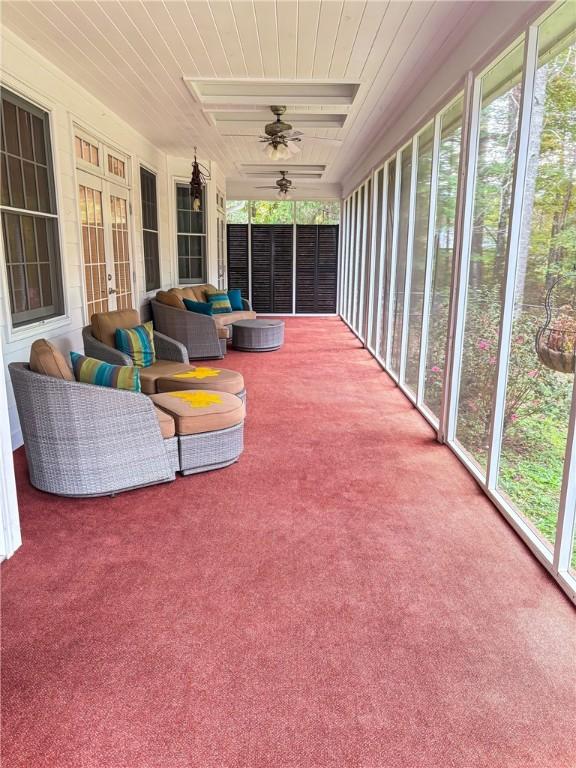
(149,375)
(218,379)
(46,359)
(227,318)
(223,332)
(170,299)
(104,324)
(167,425)
(196,411)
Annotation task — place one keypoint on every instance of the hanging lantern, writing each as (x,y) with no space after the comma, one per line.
(556,339)
(200,175)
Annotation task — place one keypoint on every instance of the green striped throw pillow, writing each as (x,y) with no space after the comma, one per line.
(219,302)
(90,371)
(137,343)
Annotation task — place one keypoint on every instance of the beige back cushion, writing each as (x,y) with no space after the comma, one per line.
(171,299)
(185,293)
(46,359)
(195,292)
(104,324)
(204,290)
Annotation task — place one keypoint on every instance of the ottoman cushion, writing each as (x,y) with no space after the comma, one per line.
(167,426)
(148,376)
(196,411)
(224,332)
(218,379)
(227,318)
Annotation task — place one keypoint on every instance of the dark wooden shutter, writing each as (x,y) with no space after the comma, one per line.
(316,268)
(237,246)
(272,268)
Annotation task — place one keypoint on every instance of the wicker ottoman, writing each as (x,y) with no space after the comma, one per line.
(217,379)
(258,335)
(209,426)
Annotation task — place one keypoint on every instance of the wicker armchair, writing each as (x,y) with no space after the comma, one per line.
(86,440)
(166,349)
(198,333)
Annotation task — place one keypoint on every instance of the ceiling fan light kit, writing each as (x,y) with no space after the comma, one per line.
(280,141)
(277,151)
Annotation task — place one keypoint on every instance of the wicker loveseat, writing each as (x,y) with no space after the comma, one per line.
(204,336)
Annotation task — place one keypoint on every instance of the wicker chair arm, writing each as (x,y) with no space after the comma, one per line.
(169,349)
(198,333)
(246,305)
(101,351)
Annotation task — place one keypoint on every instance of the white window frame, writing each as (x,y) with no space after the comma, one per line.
(181,182)
(62,317)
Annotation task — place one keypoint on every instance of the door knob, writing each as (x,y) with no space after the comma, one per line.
(112,290)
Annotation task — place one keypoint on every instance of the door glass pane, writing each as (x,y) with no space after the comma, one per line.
(397,308)
(421,214)
(448,161)
(498,128)
(537,397)
(93,250)
(121,251)
(385,313)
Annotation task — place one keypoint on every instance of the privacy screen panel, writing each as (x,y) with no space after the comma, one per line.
(272,246)
(238,262)
(316,268)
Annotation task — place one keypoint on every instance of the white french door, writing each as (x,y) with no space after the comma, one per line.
(106,249)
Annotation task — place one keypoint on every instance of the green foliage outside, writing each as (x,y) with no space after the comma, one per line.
(282,211)
(237,211)
(537,398)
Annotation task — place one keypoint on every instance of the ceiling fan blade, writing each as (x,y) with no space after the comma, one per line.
(250,136)
(292,134)
(330,142)
(265,187)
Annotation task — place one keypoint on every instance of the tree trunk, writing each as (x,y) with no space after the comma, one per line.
(538,108)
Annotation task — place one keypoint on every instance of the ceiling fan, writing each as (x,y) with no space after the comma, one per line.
(283,187)
(280,141)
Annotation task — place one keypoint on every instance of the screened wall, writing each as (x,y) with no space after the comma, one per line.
(448,253)
(283,254)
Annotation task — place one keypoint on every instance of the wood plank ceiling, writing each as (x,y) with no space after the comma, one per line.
(134,55)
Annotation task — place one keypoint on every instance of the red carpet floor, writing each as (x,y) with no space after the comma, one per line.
(343,597)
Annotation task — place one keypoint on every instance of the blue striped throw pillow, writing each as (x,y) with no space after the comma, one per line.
(90,371)
(137,343)
(219,302)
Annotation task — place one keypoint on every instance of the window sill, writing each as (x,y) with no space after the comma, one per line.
(36,328)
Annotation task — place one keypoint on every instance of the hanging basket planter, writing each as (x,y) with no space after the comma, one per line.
(556,339)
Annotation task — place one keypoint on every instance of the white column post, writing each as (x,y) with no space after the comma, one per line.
(515,226)
(456,314)
(409,255)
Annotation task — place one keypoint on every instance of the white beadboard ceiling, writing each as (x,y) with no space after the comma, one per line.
(136,56)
